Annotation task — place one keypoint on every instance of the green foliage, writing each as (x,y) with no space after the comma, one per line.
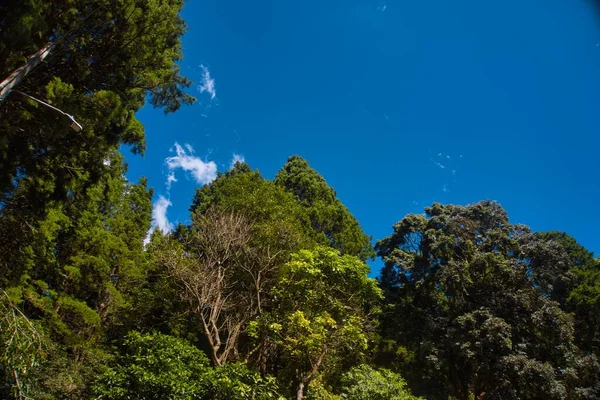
(274,213)
(269,278)
(20,348)
(323,301)
(79,267)
(468,293)
(575,284)
(238,382)
(584,301)
(108,57)
(364,382)
(158,366)
(329,218)
(71,226)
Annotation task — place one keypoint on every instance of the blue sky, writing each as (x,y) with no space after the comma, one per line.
(396,103)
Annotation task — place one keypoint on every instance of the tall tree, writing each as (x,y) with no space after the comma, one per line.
(225,263)
(210,267)
(71,227)
(78,267)
(333,222)
(465,300)
(323,301)
(108,57)
(581,294)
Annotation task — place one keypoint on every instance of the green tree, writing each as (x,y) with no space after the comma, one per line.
(158,366)
(77,271)
(109,56)
(274,213)
(465,300)
(364,382)
(247,227)
(581,293)
(20,349)
(584,302)
(322,313)
(329,218)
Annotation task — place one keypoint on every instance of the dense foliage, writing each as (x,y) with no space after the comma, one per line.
(265,294)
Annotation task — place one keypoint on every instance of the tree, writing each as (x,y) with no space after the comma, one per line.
(21,348)
(335,225)
(156,367)
(322,310)
(275,214)
(464,298)
(77,271)
(209,269)
(581,295)
(108,57)
(71,227)
(364,382)
(584,302)
(159,366)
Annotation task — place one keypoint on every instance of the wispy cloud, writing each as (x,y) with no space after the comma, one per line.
(160,220)
(159,214)
(170,180)
(203,171)
(449,165)
(382,8)
(208,83)
(237,158)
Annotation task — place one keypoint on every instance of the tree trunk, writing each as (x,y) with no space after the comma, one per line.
(20,73)
(300,392)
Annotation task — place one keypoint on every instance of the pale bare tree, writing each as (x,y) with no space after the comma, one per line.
(207,269)
(225,266)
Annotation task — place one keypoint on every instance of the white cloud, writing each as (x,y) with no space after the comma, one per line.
(445,189)
(382,8)
(159,215)
(207,84)
(159,218)
(203,171)
(237,158)
(170,179)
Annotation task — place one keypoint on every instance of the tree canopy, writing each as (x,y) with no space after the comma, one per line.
(333,222)
(265,293)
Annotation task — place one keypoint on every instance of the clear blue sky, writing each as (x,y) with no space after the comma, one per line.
(396,103)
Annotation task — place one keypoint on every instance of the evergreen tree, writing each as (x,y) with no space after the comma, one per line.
(329,218)
(468,300)
(108,56)
(78,270)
